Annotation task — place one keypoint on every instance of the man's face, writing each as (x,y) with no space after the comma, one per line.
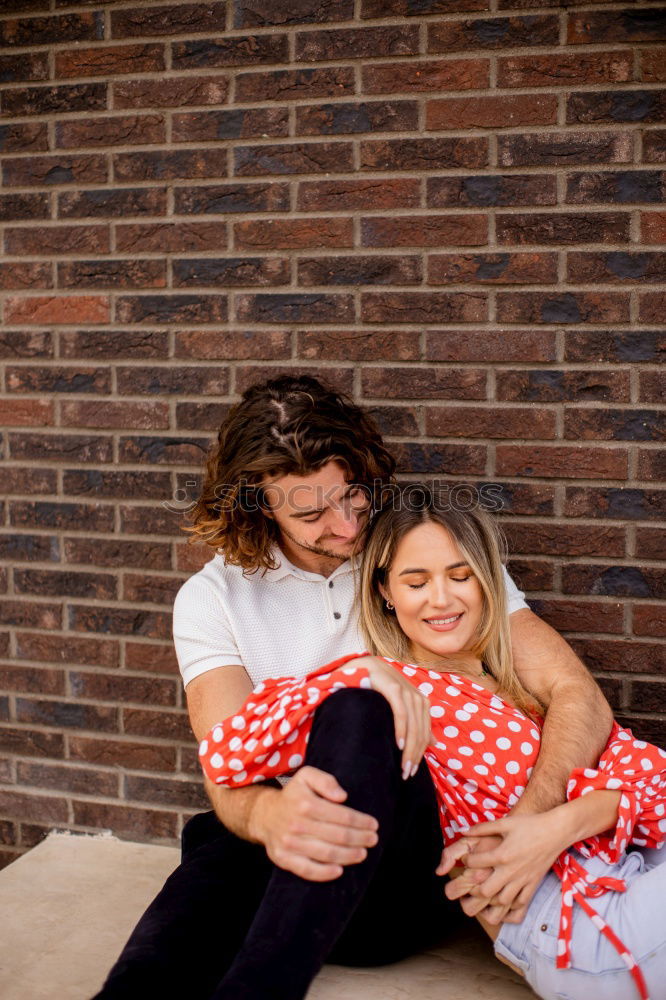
(321,514)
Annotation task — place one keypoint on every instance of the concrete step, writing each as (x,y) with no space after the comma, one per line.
(68,906)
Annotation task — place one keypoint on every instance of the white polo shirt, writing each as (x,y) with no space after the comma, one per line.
(281,623)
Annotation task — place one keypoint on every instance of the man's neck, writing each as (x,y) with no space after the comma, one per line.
(311,562)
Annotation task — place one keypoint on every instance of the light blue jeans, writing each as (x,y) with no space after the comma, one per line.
(638,917)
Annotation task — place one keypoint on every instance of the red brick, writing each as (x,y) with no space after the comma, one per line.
(64,583)
(132,755)
(283,85)
(150,589)
(236,123)
(221,199)
(114,344)
(269,12)
(616,267)
(505,111)
(562,307)
(25,344)
(67,447)
(31,614)
(192,558)
(504,422)
(185,381)
(423,307)
(170,164)
(559,227)
(366,270)
(652,387)
(146,824)
(148,656)
(424,231)
(210,272)
(652,307)
(31,743)
(423,154)
(118,687)
(563,148)
(340,378)
(654,146)
(115,553)
(554,539)
(26,66)
(72,516)
(139,416)
(357,43)
(22,480)
(647,697)
(492,33)
(47,808)
(563,69)
(622,187)
(81,780)
(342,118)
(119,621)
(359,345)
(492,268)
(433,75)
(610,26)
(407,8)
(212,345)
(649,619)
(653,65)
(38,171)
(613,580)
(651,464)
(154,450)
(172,19)
(616,106)
(490,345)
(451,459)
(296,158)
(613,425)
(166,237)
(109,202)
(173,92)
(26,412)
(108,60)
(63,309)
(68,240)
(157,725)
(171,309)
(621,654)
(653,227)
(31,679)
(166,791)
(554,385)
(200,416)
(349,195)
(651,544)
(238,50)
(423,383)
(627,346)
(293,234)
(532,574)
(64,99)
(19,207)
(31,548)
(112,274)
(22,274)
(161,520)
(30,31)
(562,462)
(581,616)
(67,715)
(66,649)
(312,307)
(16,137)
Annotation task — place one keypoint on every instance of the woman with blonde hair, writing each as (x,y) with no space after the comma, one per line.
(432,603)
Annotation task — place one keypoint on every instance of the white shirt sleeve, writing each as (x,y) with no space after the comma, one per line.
(202,634)
(515,598)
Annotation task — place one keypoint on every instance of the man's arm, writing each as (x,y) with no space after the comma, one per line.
(304,826)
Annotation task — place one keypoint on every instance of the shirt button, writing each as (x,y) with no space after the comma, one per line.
(330,583)
(544,927)
(337,615)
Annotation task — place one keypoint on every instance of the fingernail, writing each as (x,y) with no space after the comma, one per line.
(401,744)
(415,769)
(406,771)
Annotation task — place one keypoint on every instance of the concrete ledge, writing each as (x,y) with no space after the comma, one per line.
(68,906)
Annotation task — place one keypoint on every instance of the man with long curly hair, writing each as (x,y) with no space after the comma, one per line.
(339,862)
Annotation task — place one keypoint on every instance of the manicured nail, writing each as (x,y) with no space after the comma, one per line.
(415,769)
(401,744)
(407,770)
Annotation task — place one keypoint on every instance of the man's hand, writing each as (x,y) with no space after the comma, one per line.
(306,830)
(411,710)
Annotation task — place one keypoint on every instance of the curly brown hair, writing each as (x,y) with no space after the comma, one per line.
(292,425)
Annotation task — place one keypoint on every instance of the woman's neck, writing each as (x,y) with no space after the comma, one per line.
(463,661)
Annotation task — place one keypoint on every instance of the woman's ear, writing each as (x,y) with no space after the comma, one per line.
(386,594)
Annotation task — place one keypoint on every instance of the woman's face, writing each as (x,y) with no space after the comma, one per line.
(438,600)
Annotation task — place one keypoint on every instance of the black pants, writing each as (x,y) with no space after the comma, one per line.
(230,924)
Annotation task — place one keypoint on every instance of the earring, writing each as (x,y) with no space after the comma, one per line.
(389,606)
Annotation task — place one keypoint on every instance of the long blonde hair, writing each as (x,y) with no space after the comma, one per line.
(484,548)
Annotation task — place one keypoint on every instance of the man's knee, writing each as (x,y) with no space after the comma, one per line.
(352,708)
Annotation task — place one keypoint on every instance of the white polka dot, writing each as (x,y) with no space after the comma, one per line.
(490,816)
(365,682)
(613,783)
(534,733)
(454,764)
(241,776)
(203,748)
(466,751)
(267,741)
(238,722)
(453,691)
(349,671)
(476,736)
(235,764)
(622,735)
(489,758)
(515,727)
(589,773)
(640,744)
(425,688)
(567,897)
(216,760)
(450,731)
(254,725)
(469,706)
(295,760)
(218,735)
(274,760)
(408,671)
(235,743)
(437,711)
(646,764)
(499,780)
(513,767)
(463,716)
(251,746)
(526,748)
(561,947)
(285,727)
(490,723)
(292,736)
(481,769)
(503,743)
(659,809)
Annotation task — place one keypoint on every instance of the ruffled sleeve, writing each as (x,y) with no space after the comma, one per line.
(638,770)
(268,735)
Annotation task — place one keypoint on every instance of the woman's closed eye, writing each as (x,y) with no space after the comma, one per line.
(454,579)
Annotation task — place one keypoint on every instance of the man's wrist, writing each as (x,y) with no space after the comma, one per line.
(257,816)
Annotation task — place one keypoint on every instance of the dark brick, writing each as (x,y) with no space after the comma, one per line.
(322,196)
(119,621)
(146,824)
(501,111)
(30,548)
(17,207)
(112,274)
(569,228)
(295,308)
(200,416)
(67,649)
(26,413)
(32,481)
(613,581)
(114,344)
(42,171)
(122,753)
(32,679)
(170,92)
(357,43)
(616,267)
(621,654)
(116,687)
(30,614)
(168,237)
(412,8)
(130,130)
(109,59)
(427,231)
(23,274)
(207,272)
(652,464)
(8,832)
(171,309)
(565,69)
(183,381)
(581,616)
(233,345)
(61,447)
(150,590)
(31,743)
(642,25)
(20,136)
(115,553)
(653,227)
(52,30)
(296,158)
(157,450)
(653,63)
(46,808)
(170,164)
(489,345)
(237,123)
(602,345)
(68,240)
(521,498)
(369,116)
(423,307)
(164,791)
(564,539)
(412,76)
(651,307)
(486,422)
(423,154)
(493,190)
(553,385)
(294,234)
(149,656)
(652,387)
(359,345)
(67,715)
(492,33)
(68,779)
(86,97)
(654,146)
(615,425)
(52,514)
(617,106)
(285,84)
(238,50)
(157,725)
(493,268)
(396,421)
(263,13)
(54,583)
(114,415)
(563,148)
(647,697)
(649,619)
(446,459)
(423,383)
(562,307)
(112,204)
(225,198)
(651,543)
(174,19)
(340,378)
(561,462)
(29,66)
(619,186)
(365,270)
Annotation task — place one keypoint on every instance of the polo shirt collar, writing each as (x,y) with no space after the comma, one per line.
(287,568)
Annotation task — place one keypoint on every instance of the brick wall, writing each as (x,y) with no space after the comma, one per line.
(454,209)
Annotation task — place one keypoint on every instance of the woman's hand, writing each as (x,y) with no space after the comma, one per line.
(411,710)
